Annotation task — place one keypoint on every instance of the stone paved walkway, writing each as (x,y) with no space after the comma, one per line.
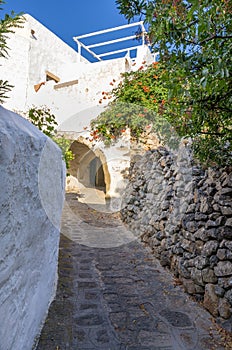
(118,297)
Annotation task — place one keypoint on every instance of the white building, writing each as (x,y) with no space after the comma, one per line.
(47,72)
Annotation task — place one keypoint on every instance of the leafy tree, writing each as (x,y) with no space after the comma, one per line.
(194,38)
(6,27)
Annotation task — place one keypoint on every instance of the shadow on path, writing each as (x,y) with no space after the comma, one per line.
(119,298)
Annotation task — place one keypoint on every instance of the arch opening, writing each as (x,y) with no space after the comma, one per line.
(89,167)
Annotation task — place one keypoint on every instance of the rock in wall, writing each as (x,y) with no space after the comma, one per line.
(185,214)
(31,199)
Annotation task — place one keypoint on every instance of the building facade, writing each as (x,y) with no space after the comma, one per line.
(47,72)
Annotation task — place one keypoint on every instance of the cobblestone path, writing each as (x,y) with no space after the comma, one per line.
(119,298)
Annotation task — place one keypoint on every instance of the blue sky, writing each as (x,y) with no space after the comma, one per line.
(70,18)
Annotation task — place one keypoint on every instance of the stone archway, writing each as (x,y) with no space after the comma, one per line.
(89,166)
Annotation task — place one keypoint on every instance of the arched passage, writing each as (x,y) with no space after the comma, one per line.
(89,167)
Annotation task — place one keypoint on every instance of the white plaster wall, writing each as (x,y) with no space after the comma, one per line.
(29,57)
(67,102)
(117,162)
(15,70)
(32,191)
(117,159)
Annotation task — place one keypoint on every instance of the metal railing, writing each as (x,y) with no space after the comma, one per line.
(140,34)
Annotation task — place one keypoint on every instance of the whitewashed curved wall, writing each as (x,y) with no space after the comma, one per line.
(31,198)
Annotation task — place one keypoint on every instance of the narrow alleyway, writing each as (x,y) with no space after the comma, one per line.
(113,294)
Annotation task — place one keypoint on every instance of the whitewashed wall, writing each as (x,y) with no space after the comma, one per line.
(32,192)
(29,57)
(67,102)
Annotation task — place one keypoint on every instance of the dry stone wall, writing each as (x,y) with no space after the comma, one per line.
(31,199)
(185,214)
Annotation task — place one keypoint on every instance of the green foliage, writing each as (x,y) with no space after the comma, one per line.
(6,27)
(143,87)
(43,119)
(194,39)
(65,144)
(46,122)
(4,88)
(139,104)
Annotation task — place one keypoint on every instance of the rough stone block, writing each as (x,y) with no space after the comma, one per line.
(213,260)
(228,244)
(208,275)
(229,223)
(223,269)
(188,286)
(219,291)
(228,296)
(221,254)
(211,300)
(210,248)
(201,234)
(225,232)
(196,276)
(201,262)
(225,282)
(226,210)
(224,308)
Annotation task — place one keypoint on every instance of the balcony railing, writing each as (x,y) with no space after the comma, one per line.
(140,35)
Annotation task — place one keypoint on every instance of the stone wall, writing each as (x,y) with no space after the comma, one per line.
(185,214)
(32,191)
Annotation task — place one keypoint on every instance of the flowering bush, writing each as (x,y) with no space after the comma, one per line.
(138,104)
